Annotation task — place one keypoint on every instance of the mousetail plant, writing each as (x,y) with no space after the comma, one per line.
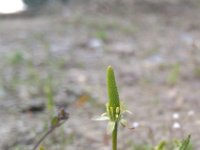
(114,108)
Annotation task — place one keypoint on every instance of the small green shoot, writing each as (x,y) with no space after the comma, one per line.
(17,58)
(101,34)
(174,74)
(48,90)
(185,145)
(161,146)
(176,145)
(114,108)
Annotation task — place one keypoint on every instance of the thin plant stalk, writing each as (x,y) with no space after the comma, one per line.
(43,137)
(114,108)
(113,104)
(56,122)
(114,137)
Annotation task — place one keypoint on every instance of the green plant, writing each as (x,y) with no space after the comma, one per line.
(185,144)
(101,34)
(114,108)
(16,58)
(161,146)
(174,74)
(114,114)
(48,90)
(177,145)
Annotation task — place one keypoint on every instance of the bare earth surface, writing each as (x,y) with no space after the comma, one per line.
(153,46)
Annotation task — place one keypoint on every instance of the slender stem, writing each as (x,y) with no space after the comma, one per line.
(114,137)
(46,134)
(43,137)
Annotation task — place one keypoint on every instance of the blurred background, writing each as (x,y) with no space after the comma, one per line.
(54,53)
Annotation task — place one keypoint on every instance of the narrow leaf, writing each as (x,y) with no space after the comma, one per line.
(110,127)
(161,146)
(185,143)
(101,118)
(54,121)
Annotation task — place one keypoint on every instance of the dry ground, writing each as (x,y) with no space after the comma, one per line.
(153,46)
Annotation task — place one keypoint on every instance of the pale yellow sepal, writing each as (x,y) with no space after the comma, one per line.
(110,127)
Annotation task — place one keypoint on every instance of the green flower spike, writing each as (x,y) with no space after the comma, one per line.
(114,108)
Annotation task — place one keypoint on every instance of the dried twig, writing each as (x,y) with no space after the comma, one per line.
(56,122)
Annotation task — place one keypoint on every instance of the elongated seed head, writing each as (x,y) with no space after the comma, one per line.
(113,96)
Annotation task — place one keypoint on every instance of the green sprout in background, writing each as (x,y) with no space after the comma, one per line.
(56,122)
(177,145)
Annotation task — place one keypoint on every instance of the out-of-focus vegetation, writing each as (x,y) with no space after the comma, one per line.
(57,58)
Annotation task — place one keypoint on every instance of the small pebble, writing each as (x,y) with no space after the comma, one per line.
(176,125)
(135,124)
(190,113)
(175,116)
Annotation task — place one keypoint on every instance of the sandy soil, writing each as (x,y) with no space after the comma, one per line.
(153,47)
